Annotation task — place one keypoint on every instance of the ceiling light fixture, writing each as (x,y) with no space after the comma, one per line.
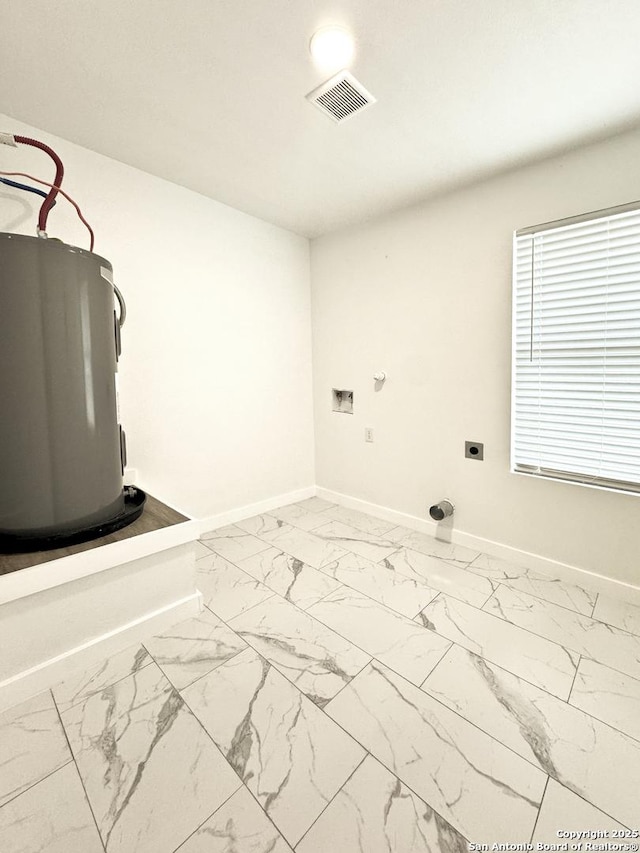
(332,48)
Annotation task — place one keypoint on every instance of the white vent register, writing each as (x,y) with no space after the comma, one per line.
(341,97)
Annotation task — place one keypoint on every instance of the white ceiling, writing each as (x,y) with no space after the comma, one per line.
(210,93)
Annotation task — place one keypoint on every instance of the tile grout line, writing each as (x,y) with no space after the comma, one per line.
(545,638)
(327,627)
(575,675)
(346,684)
(588,802)
(12,799)
(464,568)
(331,592)
(537,686)
(320,538)
(520,678)
(363,747)
(355,739)
(502,582)
(406,784)
(375,600)
(424,584)
(422,683)
(519,627)
(567,649)
(614,629)
(243,784)
(73,757)
(500,666)
(454,643)
(375,757)
(611,628)
(205,674)
(488,600)
(200,825)
(373,657)
(401,546)
(242,612)
(533,831)
(108,684)
(346,781)
(372,663)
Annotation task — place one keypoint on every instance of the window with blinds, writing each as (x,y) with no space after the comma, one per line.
(576,350)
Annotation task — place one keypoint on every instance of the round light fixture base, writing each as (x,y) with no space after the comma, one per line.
(332,48)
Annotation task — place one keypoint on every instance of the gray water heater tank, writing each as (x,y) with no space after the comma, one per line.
(61,447)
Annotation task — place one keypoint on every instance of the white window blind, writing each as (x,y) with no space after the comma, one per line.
(576,385)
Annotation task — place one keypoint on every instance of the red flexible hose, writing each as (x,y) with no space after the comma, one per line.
(47,204)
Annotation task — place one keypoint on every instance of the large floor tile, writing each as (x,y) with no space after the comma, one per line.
(305,546)
(52,817)
(351,539)
(487,792)
(151,772)
(360,520)
(32,745)
(396,640)
(232,542)
(93,679)
(201,550)
(459,555)
(609,695)
(226,589)
(193,648)
(315,504)
(562,810)
(540,661)
(588,637)
(291,756)
(535,583)
(297,516)
(260,525)
(589,757)
(316,659)
(294,580)
(441,575)
(375,813)
(407,595)
(621,614)
(238,826)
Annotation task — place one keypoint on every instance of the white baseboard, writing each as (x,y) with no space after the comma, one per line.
(29,683)
(233,515)
(564,571)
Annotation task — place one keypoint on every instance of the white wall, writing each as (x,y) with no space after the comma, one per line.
(215,378)
(425,294)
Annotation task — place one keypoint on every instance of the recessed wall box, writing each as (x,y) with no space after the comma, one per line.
(342,401)
(474,450)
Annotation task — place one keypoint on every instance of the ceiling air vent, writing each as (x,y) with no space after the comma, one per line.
(341,97)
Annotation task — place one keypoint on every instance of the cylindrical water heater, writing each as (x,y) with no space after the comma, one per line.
(62,451)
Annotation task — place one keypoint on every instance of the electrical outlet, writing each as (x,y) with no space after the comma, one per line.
(368,434)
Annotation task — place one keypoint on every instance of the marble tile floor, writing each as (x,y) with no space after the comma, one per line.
(350,686)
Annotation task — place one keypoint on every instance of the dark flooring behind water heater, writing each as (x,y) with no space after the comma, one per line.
(156,515)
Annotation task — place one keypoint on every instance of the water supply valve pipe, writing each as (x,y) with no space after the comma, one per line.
(442,510)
